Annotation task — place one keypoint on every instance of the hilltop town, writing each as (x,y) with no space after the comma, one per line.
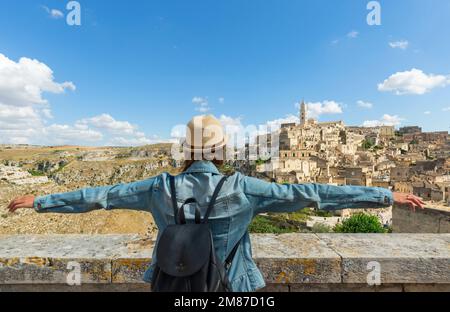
(404,160)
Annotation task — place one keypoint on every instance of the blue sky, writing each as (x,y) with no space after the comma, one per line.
(132,70)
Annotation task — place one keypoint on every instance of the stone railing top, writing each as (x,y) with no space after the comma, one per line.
(430,209)
(283,259)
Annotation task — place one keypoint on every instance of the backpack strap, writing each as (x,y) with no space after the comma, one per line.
(213,199)
(230,257)
(182,216)
(173,192)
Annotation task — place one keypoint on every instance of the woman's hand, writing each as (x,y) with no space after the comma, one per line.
(21,202)
(410,200)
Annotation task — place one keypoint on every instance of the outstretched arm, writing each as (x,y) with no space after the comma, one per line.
(273,197)
(136,196)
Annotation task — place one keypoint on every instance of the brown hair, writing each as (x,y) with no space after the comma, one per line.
(217,162)
(188,163)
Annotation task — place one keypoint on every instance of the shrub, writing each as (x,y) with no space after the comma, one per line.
(360,223)
(323,213)
(260,161)
(227,169)
(367,144)
(263,224)
(36,173)
(321,228)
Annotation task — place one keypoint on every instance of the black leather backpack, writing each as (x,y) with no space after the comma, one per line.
(186,258)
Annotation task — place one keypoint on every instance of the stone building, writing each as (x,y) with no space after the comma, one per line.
(400,174)
(357,176)
(428,191)
(403,187)
(410,130)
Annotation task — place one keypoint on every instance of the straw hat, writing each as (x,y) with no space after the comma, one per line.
(204,133)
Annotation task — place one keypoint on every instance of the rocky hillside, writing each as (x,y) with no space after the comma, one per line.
(47,170)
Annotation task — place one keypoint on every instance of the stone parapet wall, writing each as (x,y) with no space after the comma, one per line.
(290,262)
(429,220)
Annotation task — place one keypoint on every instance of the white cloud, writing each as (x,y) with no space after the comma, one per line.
(228,121)
(274,125)
(238,133)
(179,131)
(353,34)
(23,125)
(17,113)
(427,113)
(402,44)
(53,13)
(65,134)
(18,140)
(99,130)
(316,109)
(107,122)
(201,104)
(117,132)
(386,120)
(221,100)
(47,113)
(414,81)
(235,130)
(25,113)
(364,104)
(23,83)
(334,42)
(56,13)
(198,100)
(23,109)
(203,108)
(446,109)
(18,124)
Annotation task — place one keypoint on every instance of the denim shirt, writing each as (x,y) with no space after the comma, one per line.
(241,199)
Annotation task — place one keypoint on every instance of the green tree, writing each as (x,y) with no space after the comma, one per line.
(360,223)
(367,144)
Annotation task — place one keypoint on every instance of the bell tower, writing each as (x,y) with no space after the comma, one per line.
(303,113)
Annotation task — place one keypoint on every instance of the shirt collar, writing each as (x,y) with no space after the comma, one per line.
(203,166)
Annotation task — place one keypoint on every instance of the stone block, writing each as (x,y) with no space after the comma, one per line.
(293,258)
(403,258)
(444,224)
